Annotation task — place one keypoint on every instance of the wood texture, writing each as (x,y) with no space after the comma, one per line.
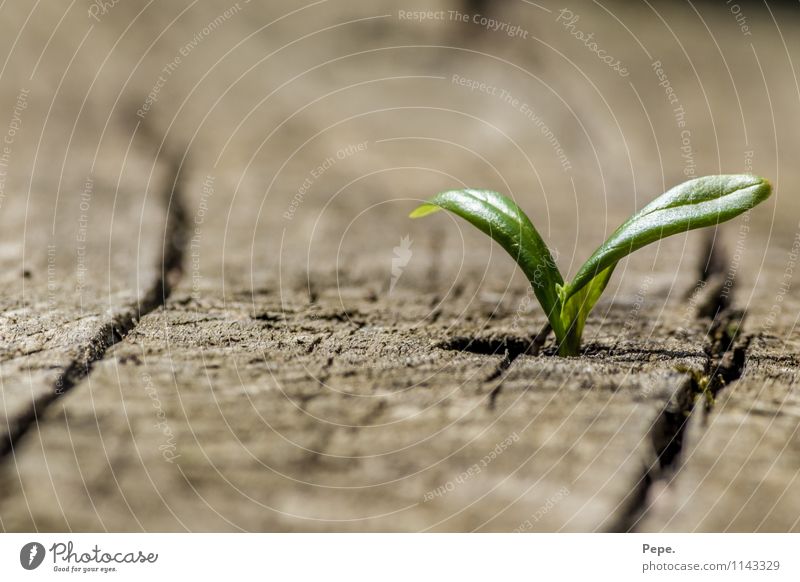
(265,342)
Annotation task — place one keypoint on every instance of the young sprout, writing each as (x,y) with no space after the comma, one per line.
(701,202)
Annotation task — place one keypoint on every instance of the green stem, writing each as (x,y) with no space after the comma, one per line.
(570,344)
(568,329)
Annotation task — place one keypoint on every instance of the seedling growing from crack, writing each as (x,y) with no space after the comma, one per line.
(697,203)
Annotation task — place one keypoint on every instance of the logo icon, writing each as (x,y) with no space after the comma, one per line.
(31,555)
(402,255)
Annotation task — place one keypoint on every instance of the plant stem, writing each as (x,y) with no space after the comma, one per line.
(570,346)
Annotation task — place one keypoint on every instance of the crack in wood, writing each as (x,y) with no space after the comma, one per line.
(124,320)
(726,356)
(511,348)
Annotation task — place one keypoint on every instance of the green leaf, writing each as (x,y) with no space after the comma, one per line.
(694,204)
(500,218)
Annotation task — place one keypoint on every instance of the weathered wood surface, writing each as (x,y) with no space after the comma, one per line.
(285,384)
(83,223)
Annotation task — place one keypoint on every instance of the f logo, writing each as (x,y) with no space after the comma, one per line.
(31,555)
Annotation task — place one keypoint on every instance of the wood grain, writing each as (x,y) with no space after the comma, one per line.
(256,348)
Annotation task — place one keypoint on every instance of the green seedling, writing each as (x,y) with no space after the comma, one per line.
(697,203)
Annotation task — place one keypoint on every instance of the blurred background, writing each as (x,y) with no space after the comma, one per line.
(582,113)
